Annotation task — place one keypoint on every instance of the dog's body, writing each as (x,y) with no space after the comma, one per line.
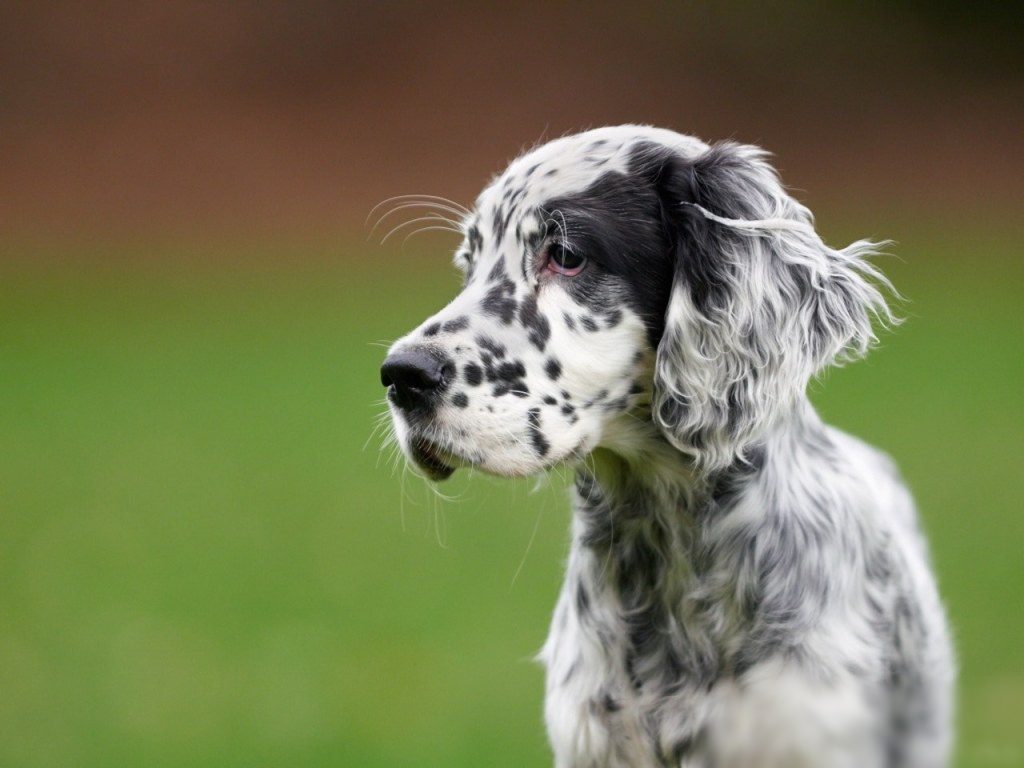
(746,586)
(786,617)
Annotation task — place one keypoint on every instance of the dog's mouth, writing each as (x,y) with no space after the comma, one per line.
(435,461)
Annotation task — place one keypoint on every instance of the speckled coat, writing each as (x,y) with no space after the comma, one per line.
(746,586)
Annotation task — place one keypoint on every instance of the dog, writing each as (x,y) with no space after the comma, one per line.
(746,586)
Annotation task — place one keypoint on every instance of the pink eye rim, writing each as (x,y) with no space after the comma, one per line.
(562,261)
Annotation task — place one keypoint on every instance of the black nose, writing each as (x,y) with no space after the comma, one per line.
(414,377)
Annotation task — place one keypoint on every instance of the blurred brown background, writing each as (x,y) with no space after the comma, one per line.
(263,117)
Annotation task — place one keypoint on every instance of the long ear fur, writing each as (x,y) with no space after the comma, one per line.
(759,303)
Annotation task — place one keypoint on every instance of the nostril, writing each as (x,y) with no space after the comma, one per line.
(447,373)
(423,378)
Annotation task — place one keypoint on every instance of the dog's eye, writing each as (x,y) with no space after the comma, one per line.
(562,261)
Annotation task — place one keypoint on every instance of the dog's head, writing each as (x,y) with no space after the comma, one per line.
(627,276)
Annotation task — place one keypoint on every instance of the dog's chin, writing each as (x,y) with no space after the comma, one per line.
(437,460)
(437,463)
(513,467)
(431,459)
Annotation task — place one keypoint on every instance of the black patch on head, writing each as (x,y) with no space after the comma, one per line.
(459,323)
(640,228)
(511,371)
(499,302)
(474,374)
(498,224)
(432,329)
(502,214)
(474,239)
(613,318)
(549,400)
(508,377)
(535,323)
(517,388)
(618,223)
(553,369)
(459,400)
(492,347)
(528,312)
(497,271)
(537,439)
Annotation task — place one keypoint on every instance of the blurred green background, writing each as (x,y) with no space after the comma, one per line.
(205,559)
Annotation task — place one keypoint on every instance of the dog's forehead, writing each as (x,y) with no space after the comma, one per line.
(559,169)
(556,169)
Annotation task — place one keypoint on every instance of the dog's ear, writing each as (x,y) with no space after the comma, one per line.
(759,304)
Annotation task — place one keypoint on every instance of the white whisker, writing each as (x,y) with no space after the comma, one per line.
(437,198)
(436,208)
(417,220)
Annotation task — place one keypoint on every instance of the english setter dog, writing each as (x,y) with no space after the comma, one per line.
(746,586)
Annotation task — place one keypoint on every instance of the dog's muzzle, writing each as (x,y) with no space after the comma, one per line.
(415,380)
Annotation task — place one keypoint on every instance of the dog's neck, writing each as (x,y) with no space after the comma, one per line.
(644,530)
(639,491)
(635,458)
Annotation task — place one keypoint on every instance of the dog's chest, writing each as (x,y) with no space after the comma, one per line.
(636,644)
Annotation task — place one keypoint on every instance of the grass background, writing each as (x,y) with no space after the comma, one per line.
(201,564)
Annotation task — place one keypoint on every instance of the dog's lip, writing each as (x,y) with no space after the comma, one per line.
(432,458)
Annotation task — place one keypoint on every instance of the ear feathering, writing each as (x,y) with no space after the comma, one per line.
(759,306)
